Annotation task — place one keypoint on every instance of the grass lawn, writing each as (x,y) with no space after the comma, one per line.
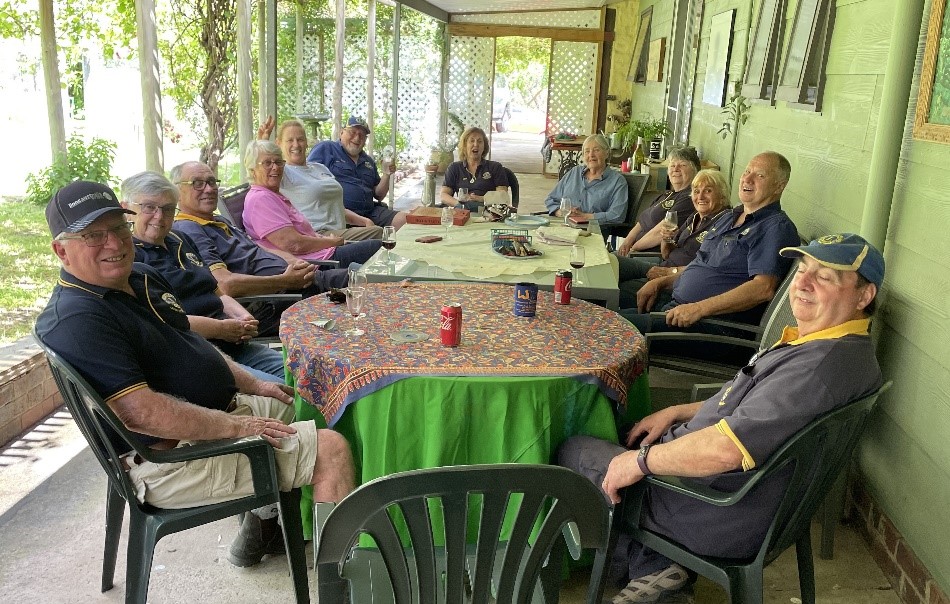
(28,267)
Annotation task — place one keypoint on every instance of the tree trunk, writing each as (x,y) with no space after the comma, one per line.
(54,92)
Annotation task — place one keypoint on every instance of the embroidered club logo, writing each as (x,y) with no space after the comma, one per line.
(194,259)
(669,203)
(486,175)
(829,239)
(170,300)
(367,164)
(701,236)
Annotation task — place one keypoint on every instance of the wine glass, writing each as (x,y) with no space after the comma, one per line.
(356,279)
(354,305)
(389,242)
(448,215)
(577,262)
(462,195)
(670,219)
(566,206)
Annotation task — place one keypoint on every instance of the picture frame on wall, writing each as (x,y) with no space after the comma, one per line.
(932,119)
(655,63)
(637,72)
(717,61)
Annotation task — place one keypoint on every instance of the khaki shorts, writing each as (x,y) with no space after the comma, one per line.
(226,477)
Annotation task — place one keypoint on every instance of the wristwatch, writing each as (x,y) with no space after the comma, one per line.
(642,460)
(675,270)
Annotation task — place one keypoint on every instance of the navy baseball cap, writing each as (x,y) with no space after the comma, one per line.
(843,252)
(357,122)
(78,204)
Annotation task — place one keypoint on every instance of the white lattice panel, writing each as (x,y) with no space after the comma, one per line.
(310,94)
(469,87)
(584,19)
(571,91)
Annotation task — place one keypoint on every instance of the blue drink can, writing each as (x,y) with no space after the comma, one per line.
(526,299)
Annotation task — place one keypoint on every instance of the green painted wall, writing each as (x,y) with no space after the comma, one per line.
(905,453)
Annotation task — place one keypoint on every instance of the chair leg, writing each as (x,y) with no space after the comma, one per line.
(806,568)
(832,509)
(293,538)
(143,534)
(115,510)
(745,584)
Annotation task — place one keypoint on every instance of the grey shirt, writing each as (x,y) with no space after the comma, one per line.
(314,191)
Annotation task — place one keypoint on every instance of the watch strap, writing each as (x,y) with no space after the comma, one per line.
(642,460)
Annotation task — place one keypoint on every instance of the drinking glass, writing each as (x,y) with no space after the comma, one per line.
(566,206)
(577,262)
(354,305)
(462,194)
(670,219)
(356,279)
(389,242)
(448,215)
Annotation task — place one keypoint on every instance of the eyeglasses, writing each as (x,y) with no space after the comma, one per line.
(199,183)
(150,209)
(98,238)
(270,163)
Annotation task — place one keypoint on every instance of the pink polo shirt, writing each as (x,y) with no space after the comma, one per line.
(266,212)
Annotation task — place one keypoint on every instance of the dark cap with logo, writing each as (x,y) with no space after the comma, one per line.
(357,122)
(78,204)
(843,252)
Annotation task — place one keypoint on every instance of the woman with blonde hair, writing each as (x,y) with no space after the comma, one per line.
(473,171)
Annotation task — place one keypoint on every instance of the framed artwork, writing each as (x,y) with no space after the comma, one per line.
(655,63)
(932,120)
(637,72)
(717,60)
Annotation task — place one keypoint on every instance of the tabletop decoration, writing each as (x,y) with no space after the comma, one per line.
(579,340)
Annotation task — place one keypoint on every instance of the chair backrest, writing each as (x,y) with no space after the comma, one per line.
(778,313)
(513,187)
(636,187)
(231,203)
(92,416)
(816,455)
(550,498)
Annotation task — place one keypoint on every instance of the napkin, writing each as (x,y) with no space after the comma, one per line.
(557,235)
(494,197)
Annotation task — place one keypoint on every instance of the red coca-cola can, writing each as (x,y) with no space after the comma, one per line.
(451,325)
(562,287)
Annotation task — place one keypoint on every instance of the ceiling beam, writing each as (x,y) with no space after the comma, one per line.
(426,8)
(567,34)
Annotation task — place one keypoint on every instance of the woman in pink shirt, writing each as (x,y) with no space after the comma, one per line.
(275,224)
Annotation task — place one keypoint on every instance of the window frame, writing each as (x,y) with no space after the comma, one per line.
(801,93)
(637,72)
(770,22)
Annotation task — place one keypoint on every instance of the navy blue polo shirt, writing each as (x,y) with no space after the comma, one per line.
(221,245)
(489,176)
(180,264)
(730,256)
(358,179)
(121,343)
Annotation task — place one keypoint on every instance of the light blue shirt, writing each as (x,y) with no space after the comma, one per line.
(604,197)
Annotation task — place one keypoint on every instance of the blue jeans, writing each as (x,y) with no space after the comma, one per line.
(358,251)
(262,362)
(633,275)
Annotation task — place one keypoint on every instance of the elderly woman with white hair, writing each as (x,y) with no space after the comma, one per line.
(596,192)
(274,223)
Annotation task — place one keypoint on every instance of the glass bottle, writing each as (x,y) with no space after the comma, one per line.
(639,157)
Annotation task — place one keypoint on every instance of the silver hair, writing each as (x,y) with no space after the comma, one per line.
(255,149)
(597,139)
(148,184)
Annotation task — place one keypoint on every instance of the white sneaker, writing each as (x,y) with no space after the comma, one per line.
(649,588)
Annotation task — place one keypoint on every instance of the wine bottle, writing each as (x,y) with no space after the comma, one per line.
(639,157)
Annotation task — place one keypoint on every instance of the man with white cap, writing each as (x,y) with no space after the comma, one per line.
(127,335)
(356,171)
(816,367)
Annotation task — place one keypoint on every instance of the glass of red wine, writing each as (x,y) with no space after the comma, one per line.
(577,262)
(389,242)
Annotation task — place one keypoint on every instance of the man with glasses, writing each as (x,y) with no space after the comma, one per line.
(356,171)
(127,335)
(241,267)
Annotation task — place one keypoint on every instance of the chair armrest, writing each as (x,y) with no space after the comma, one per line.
(325,263)
(645,255)
(701,392)
(754,329)
(671,336)
(270,298)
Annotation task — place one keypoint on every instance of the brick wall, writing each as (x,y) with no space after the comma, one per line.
(28,392)
(905,572)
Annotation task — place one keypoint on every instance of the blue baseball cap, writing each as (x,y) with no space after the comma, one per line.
(357,122)
(843,252)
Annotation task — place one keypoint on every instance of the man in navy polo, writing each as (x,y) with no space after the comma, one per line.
(363,187)
(128,336)
(241,267)
(738,267)
(824,362)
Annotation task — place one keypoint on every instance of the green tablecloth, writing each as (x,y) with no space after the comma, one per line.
(423,422)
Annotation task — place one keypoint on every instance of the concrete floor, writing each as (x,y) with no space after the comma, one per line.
(52,499)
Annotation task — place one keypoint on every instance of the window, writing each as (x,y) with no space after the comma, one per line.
(800,80)
(637,71)
(802,76)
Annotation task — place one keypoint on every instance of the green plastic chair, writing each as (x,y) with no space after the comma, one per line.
(148,524)
(817,455)
(418,561)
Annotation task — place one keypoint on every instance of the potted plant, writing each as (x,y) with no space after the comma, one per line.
(654,131)
(619,120)
(442,153)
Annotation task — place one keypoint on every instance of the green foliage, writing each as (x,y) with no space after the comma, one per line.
(736,112)
(81,162)
(648,127)
(523,61)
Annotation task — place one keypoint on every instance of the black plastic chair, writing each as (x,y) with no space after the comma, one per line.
(777,315)
(148,524)
(815,456)
(513,187)
(636,186)
(500,568)
(231,203)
